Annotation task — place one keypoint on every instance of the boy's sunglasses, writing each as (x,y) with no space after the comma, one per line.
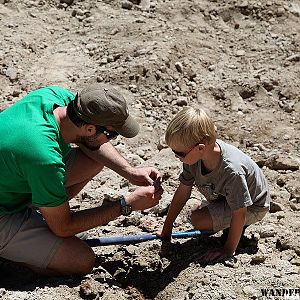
(183,154)
(110,134)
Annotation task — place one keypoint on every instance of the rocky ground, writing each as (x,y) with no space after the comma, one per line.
(238,59)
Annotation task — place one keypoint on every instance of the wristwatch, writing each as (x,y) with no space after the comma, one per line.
(126,209)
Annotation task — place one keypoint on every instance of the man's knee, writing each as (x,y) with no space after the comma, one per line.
(73,257)
(88,262)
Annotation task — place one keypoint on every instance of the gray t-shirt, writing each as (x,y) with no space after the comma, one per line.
(237,179)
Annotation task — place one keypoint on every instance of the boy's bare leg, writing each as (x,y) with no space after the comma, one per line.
(201,219)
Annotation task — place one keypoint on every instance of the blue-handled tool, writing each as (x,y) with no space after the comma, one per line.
(134,239)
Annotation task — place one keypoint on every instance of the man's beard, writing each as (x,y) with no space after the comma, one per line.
(89,142)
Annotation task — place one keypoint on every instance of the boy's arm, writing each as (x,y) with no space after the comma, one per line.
(180,197)
(235,231)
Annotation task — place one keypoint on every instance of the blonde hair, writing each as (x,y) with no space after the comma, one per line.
(189,127)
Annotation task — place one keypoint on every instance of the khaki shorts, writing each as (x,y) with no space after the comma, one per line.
(25,236)
(221,214)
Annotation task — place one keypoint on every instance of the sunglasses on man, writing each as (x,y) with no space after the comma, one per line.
(110,134)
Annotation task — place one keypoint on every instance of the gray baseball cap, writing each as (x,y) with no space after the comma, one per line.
(101,104)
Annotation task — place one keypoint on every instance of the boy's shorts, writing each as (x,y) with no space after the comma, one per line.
(221,214)
(25,236)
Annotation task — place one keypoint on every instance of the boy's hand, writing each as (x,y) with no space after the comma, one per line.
(217,255)
(164,236)
(166,244)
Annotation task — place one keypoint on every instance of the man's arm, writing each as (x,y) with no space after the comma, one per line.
(63,222)
(111,158)
(181,196)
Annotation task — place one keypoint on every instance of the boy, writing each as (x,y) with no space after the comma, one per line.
(234,186)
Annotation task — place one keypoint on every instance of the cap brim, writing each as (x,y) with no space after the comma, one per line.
(129,129)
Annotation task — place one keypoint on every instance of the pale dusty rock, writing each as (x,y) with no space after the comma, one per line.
(127,4)
(11,73)
(179,66)
(236,101)
(145,4)
(250,291)
(275,207)
(288,242)
(276,162)
(89,289)
(258,259)
(240,53)
(162,208)
(267,231)
(295,206)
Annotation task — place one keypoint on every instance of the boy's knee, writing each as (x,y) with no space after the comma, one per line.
(201,219)
(194,216)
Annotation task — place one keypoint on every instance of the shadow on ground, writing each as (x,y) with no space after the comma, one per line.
(15,277)
(150,282)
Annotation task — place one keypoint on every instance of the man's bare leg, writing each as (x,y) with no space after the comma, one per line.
(82,170)
(74,256)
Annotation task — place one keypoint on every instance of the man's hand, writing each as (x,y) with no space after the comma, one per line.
(217,255)
(143,176)
(144,197)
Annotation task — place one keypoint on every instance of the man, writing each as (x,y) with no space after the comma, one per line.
(39,168)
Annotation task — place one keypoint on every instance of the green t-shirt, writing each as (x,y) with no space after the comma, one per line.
(32,150)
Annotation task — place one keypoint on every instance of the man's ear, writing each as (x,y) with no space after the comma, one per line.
(90,129)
